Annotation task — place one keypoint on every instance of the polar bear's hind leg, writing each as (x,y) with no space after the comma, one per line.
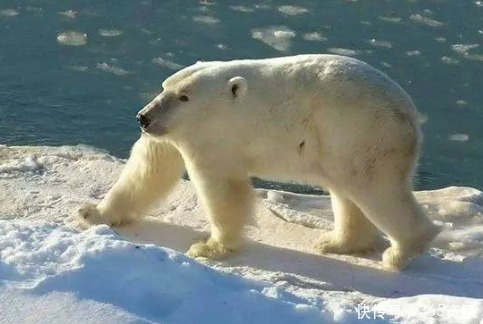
(394,210)
(353,232)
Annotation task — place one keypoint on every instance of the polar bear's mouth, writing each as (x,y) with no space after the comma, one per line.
(154,130)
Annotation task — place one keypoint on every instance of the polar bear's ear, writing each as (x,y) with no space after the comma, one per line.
(237,87)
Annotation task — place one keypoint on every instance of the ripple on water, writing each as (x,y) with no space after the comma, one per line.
(72,38)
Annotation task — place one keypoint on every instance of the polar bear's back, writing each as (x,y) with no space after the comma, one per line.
(325,74)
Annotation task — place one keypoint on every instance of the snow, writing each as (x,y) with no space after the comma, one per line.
(54,270)
(97,268)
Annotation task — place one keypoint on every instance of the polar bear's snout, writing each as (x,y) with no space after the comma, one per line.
(153,117)
(143,120)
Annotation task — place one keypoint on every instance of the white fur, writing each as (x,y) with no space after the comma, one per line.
(320,119)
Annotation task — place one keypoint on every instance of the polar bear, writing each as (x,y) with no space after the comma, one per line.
(325,120)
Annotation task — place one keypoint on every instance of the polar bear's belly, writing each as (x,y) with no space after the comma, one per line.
(286,159)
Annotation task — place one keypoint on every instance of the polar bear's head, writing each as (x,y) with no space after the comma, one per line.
(203,95)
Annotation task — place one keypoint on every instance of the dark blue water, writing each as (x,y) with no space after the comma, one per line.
(54,93)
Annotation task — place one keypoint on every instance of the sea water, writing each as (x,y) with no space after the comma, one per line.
(78,71)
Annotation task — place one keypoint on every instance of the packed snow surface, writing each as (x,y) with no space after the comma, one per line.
(55,270)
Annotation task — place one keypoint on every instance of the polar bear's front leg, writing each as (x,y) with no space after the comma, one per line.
(151,172)
(228,200)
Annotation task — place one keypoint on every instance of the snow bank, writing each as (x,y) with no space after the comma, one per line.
(52,272)
(105,273)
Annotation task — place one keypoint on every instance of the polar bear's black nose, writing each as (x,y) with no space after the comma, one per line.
(143,120)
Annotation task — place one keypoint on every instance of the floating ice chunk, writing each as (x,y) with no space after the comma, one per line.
(8,13)
(343,51)
(394,20)
(463,48)
(71,14)
(314,37)
(78,68)
(461,102)
(208,20)
(479,4)
(474,57)
(112,69)
(420,19)
(206,3)
(459,137)
(422,118)
(440,39)
(262,6)
(292,10)
(413,53)
(221,46)
(379,43)
(449,60)
(72,38)
(166,63)
(35,10)
(110,32)
(241,8)
(278,37)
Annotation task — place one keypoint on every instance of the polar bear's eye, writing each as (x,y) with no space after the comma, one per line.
(183,98)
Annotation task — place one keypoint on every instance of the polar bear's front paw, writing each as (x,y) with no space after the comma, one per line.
(90,213)
(210,249)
